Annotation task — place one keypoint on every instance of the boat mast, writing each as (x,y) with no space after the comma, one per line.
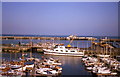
(31,48)
(110,51)
(106,45)
(77,45)
(22,54)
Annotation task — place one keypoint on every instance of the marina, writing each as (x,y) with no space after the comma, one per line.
(85,57)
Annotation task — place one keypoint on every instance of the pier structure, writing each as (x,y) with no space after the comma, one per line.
(106,48)
(17,48)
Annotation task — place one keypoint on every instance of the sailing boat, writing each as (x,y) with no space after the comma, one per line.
(105,54)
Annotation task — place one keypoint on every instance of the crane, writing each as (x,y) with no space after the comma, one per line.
(70,41)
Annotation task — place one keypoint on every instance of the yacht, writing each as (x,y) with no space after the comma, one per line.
(62,50)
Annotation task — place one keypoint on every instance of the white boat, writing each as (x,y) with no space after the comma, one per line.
(21,69)
(104,55)
(15,66)
(62,50)
(103,71)
(2,67)
(47,71)
(52,61)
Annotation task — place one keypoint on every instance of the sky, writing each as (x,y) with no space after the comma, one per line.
(60,18)
(119,19)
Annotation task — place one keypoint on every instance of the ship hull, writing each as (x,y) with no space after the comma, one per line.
(63,53)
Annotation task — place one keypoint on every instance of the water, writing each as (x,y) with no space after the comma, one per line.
(70,65)
(75,43)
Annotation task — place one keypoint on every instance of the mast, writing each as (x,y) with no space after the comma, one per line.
(22,55)
(77,45)
(87,47)
(110,51)
(31,44)
(106,45)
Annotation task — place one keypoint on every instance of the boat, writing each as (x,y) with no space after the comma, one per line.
(15,66)
(52,61)
(62,50)
(47,71)
(2,67)
(103,55)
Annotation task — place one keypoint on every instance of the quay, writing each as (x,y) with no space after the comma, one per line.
(18,48)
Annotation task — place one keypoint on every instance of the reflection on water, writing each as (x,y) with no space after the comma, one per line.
(70,65)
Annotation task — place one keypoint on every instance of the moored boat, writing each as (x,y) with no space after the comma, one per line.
(62,50)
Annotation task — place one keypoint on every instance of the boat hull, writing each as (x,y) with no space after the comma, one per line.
(63,54)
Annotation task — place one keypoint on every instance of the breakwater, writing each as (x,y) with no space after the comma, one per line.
(46,38)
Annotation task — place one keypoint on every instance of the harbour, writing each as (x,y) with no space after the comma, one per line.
(32,48)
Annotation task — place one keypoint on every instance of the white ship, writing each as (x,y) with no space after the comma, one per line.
(62,50)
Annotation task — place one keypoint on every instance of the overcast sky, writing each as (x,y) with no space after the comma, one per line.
(60,18)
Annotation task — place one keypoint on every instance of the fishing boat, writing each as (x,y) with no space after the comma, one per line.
(62,50)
